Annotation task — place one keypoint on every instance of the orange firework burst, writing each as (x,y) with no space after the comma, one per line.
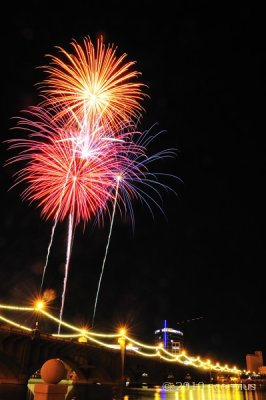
(95,82)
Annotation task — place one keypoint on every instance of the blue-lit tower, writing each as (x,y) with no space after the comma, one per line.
(171,339)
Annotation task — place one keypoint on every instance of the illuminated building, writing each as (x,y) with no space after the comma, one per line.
(171,339)
(262,370)
(254,361)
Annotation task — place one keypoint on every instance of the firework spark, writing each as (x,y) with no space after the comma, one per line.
(136,181)
(106,250)
(68,255)
(94,80)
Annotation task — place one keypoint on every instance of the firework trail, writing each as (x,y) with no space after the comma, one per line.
(68,254)
(134,182)
(94,80)
(106,249)
(48,255)
(53,229)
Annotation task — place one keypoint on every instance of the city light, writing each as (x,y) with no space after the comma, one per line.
(39,305)
(121,339)
(122,331)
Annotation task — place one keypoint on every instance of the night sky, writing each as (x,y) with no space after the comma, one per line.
(205,69)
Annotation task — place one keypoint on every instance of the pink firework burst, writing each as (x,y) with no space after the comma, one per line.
(69,169)
(76,169)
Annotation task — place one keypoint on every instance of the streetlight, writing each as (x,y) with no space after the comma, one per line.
(38,306)
(122,343)
(210,370)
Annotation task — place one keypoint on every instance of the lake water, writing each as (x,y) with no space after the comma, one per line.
(206,392)
(197,392)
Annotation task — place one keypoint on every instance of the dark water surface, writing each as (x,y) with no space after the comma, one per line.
(205,392)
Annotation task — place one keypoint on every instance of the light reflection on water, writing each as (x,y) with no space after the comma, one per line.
(198,392)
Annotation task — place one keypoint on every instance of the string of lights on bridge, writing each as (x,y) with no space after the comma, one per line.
(118,340)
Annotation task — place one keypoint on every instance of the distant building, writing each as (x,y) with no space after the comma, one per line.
(171,339)
(262,370)
(254,361)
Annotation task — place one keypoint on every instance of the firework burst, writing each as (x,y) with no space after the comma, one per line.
(69,170)
(94,80)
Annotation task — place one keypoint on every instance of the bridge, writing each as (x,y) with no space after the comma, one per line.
(23,353)
(89,356)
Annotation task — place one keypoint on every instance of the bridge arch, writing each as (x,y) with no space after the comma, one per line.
(23,354)
(10,370)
